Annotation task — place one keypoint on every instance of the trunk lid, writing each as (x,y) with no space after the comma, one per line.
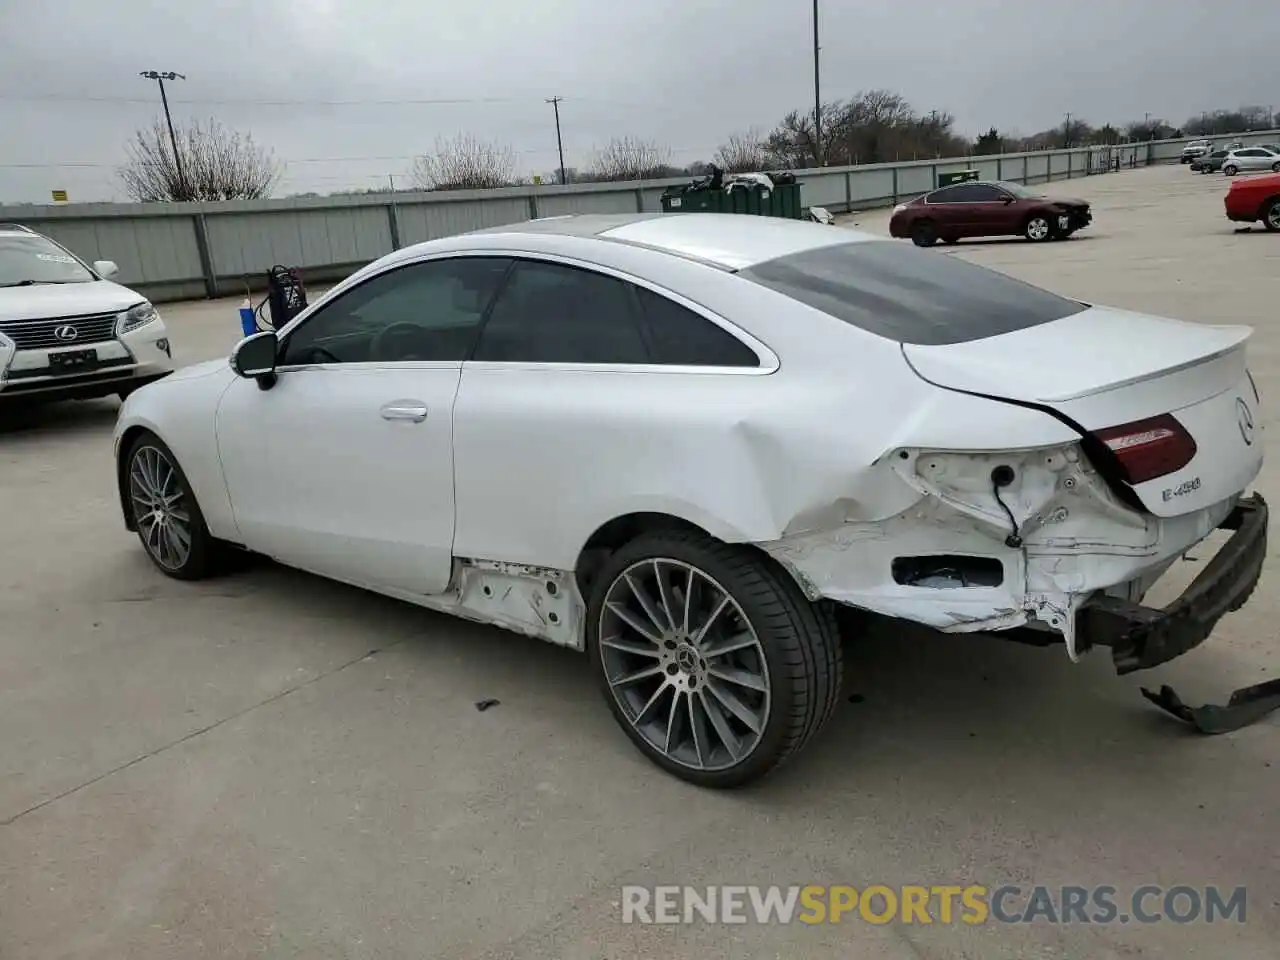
(1104,368)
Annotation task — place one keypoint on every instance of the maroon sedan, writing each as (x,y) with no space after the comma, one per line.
(977,209)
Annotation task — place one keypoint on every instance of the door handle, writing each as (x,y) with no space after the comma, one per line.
(412,410)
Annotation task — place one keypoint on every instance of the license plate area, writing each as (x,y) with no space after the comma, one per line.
(73,361)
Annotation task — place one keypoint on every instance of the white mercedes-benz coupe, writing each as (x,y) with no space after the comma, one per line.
(684,443)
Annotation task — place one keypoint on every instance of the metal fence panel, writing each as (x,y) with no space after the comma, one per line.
(158,245)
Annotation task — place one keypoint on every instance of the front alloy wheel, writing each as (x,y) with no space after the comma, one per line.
(165,513)
(1038,228)
(716,667)
(1271,216)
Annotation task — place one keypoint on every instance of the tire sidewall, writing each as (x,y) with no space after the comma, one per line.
(200,557)
(923,234)
(781,693)
(1267,210)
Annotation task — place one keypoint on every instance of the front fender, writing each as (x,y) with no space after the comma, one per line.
(181,413)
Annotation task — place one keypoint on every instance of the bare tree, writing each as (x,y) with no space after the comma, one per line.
(742,153)
(216,164)
(631,158)
(466,163)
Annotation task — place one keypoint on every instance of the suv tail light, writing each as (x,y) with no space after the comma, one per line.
(1150,448)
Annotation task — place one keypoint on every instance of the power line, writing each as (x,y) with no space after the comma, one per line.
(318,102)
(97,164)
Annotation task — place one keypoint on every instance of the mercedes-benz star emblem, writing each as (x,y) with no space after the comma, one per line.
(1245,421)
(66,333)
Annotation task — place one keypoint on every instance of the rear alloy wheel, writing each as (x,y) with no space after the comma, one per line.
(1231,170)
(713,662)
(168,519)
(1038,228)
(1271,215)
(923,235)
(1275,167)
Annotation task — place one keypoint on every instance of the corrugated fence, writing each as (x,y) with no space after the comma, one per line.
(185,250)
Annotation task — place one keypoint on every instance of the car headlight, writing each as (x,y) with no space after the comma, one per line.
(135,317)
(899,208)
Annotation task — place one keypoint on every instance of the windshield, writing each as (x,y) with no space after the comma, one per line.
(1018,190)
(27,259)
(909,295)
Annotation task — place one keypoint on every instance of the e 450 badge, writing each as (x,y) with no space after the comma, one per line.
(1182,489)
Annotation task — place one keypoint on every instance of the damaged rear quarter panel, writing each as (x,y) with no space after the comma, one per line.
(547,454)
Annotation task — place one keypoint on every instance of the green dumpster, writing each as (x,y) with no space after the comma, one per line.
(754,199)
(957,176)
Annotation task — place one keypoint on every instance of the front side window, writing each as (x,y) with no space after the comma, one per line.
(27,259)
(551,313)
(909,295)
(424,311)
(982,193)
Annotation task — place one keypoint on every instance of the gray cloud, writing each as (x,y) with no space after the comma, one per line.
(676,70)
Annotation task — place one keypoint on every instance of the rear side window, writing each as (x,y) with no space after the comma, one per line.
(549,313)
(680,336)
(910,295)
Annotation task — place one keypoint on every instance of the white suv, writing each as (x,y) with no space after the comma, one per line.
(68,332)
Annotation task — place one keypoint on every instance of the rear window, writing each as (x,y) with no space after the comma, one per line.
(909,295)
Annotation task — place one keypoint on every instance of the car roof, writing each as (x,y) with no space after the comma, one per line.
(728,240)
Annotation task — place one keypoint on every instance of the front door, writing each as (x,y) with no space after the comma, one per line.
(344,467)
(992,212)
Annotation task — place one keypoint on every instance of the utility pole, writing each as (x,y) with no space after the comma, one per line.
(1066,132)
(817,93)
(555,103)
(160,77)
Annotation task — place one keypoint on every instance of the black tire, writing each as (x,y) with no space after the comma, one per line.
(1230,170)
(1039,228)
(923,234)
(1271,214)
(800,641)
(205,555)
(1275,167)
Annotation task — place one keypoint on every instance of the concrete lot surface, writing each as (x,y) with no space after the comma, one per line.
(269,765)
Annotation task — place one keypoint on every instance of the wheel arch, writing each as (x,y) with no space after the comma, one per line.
(615,533)
(1267,202)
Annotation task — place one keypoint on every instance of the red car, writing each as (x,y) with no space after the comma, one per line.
(978,209)
(1255,198)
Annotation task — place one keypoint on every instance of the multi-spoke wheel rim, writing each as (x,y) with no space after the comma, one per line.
(160,507)
(1038,228)
(1273,216)
(684,664)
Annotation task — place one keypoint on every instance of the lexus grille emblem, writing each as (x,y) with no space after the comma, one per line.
(1245,420)
(66,333)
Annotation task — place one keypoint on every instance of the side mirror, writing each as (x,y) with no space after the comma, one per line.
(255,357)
(1007,199)
(106,269)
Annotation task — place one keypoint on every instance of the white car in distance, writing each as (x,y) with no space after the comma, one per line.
(682,443)
(1251,160)
(67,331)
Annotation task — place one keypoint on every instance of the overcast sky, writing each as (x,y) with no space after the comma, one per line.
(681,71)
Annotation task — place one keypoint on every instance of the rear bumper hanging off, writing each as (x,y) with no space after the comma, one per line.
(1144,637)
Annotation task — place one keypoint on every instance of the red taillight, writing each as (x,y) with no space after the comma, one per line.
(1150,448)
